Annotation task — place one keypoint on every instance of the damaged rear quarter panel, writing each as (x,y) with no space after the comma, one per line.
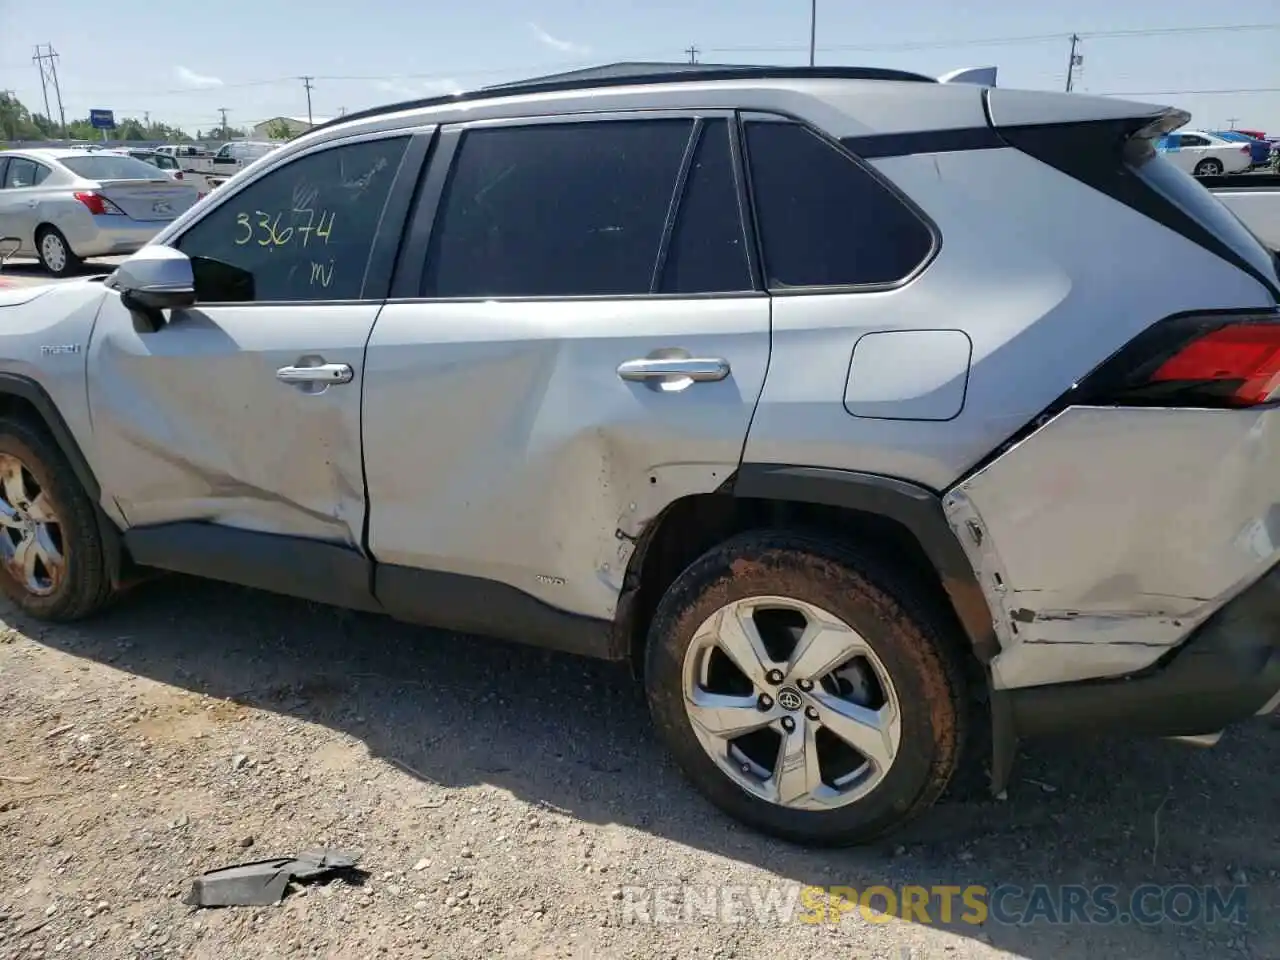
(1105,537)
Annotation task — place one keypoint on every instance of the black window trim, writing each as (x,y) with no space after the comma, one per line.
(4,169)
(388,235)
(935,235)
(410,274)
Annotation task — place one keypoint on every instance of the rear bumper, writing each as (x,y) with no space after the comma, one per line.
(1226,672)
(106,236)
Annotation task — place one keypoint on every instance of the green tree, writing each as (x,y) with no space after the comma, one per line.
(278,129)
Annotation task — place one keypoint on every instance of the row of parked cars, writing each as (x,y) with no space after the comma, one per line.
(65,205)
(1213,153)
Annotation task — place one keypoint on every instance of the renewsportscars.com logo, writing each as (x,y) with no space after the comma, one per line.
(975,905)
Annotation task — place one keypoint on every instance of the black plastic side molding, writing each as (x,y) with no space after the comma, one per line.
(916,508)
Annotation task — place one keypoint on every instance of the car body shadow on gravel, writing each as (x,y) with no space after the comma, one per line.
(573,735)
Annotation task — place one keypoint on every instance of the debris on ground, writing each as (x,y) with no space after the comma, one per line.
(264,882)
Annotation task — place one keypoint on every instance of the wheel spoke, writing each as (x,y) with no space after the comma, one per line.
(24,559)
(12,487)
(725,716)
(8,516)
(40,510)
(738,637)
(796,774)
(50,556)
(866,730)
(821,648)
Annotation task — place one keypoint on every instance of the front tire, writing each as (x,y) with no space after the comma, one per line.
(52,564)
(806,689)
(55,253)
(1209,168)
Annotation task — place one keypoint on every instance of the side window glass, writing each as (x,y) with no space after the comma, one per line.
(825,221)
(556,210)
(302,232)
(707,251)
(21,173)
(40,174)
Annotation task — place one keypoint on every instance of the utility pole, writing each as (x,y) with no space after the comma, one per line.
(306,82)
(693,52)
(813,29)
(146,118)
(1076,60)
(46,61)
(225,135)
(1231,122)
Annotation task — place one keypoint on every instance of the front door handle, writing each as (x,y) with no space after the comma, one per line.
(697,369)
(325,374)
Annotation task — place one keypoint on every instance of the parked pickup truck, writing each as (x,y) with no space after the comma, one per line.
(1255,199)
(230,158)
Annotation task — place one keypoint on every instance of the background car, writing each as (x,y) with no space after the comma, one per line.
(1261,149)
(65,205)
(1205,154)
(164,161)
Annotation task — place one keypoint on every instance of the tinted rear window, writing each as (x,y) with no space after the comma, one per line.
(110,168)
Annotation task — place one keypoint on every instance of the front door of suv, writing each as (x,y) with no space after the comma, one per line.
(577,339)
(230,436)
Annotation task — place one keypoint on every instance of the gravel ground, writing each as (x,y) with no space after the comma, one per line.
(502,797)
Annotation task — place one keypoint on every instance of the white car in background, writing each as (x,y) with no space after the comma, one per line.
(1204,154)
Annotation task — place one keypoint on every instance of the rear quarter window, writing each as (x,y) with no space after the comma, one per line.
(824,219)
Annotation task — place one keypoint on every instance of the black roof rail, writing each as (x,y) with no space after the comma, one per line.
(634,74)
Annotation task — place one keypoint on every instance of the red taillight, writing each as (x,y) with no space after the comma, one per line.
(1241,362)
(1206,360)
(99,205)
(177,174)
(1247,150)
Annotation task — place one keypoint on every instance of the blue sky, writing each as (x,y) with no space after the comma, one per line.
(180,62)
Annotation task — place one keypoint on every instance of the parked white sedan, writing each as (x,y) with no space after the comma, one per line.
(65,205)
(1204,154)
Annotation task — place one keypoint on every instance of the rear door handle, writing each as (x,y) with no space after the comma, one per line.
(324,373)
(698,369)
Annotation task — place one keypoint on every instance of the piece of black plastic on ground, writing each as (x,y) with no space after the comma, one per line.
(265,882)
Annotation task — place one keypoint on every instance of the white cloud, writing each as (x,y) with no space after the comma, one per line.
(194,79)
(410,89)
(555,43)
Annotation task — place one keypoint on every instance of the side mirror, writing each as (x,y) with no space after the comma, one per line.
(154,279)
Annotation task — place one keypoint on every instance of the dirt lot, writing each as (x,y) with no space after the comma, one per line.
(502,797)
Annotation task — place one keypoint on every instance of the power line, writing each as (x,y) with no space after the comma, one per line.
(999,41)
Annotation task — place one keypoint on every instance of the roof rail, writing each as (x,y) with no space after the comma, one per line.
(634,74)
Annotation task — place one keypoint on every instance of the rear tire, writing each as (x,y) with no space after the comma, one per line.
(55,253)
(52,563)
(916,707)
(1209,168)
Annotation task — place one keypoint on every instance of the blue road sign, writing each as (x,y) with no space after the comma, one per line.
(102,119)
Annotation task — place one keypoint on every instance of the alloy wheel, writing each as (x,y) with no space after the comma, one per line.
(31,544)
(791,703)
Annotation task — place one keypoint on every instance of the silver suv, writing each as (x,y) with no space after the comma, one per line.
(852,408)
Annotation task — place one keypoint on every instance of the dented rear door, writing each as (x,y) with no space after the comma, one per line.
(519,425)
